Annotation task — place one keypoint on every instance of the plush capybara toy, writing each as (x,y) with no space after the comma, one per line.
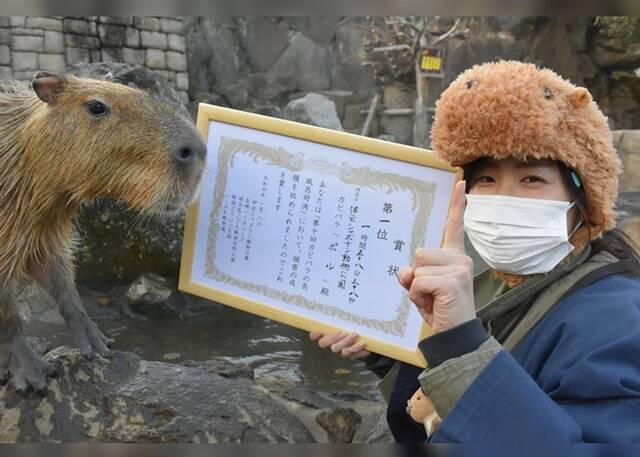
(63,142)
(421,410)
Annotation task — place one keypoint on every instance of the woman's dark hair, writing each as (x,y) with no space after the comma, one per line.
(614,241)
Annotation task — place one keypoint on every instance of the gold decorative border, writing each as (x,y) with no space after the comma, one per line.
(423,194)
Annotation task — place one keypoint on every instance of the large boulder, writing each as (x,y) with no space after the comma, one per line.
(627,143)
(313,109)
(215,55)
(264,40)
(304,65)
(347,72)
(253,61)
(616,43)
(127,399)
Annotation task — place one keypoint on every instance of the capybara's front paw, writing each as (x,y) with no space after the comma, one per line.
(89,338)
(24,367)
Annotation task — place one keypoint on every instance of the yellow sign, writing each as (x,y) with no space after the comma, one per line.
(431,62)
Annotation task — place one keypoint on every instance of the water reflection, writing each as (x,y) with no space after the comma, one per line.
(270,348)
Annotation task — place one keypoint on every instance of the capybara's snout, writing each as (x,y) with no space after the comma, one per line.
(191,153)
(188,154)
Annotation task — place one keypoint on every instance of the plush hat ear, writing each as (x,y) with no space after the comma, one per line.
(48,86)
(580,97)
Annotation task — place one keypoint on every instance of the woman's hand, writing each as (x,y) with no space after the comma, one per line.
(341,343)
(440,281)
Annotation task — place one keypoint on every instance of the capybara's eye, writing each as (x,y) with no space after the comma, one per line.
(96,108)
(547,93)
(470,83)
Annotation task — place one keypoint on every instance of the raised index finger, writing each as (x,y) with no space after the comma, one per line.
(454,227)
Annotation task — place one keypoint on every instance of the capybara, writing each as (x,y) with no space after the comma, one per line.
(63,142)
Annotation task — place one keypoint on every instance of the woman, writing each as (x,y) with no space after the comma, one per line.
(546,344)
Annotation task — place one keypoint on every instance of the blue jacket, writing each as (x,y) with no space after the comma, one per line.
(575,377)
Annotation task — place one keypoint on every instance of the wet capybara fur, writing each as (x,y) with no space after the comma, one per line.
(65,141)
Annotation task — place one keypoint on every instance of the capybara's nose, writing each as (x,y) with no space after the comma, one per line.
(188,153)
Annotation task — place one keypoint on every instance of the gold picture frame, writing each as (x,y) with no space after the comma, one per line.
(342,140)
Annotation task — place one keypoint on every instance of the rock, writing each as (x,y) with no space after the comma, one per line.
(631,227)
(561,45)
(628,204)
(263,40)
(128,399)
(224,368)
(303,66)
(132,75)
(627,143)
(623,102)
(388,137)
(152,296)
(150,289)
(295,391)
(36,305)
(171,356)
(374,428)
(341,98)
(267,110)
(340,423)
(116,248)
(616,43)
(347,71)
(214,43)
(313,109)
(320,29)
(253,61)
(186,305)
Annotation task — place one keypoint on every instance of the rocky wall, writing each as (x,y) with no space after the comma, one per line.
(37,43)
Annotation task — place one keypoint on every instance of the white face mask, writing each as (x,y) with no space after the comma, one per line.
(518,235)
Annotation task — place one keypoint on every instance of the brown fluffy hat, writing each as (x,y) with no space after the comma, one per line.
(514,109)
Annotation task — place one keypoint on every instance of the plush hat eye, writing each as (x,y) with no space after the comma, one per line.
(96,108)
(547,93)
(470,83)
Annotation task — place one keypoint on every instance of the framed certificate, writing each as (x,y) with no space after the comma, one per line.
(308,226)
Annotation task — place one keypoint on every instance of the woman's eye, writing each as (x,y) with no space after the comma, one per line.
(97,108)
(532,179)
(485,179)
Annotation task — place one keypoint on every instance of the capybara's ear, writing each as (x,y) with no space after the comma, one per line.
(48,86)
(580,97)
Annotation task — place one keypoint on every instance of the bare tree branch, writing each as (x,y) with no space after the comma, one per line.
(446,35)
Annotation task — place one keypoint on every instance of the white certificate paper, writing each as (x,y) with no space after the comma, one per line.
(316,231)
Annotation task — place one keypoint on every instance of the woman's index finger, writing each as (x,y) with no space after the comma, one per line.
(454,227)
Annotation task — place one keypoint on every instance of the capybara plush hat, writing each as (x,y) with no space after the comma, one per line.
(514,109)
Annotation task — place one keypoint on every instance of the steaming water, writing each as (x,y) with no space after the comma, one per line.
(270,348)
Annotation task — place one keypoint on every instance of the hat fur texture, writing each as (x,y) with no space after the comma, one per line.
(514,109)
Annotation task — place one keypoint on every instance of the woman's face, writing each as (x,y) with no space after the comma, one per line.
(531,179)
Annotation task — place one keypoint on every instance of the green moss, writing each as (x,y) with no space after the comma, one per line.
(116,247)
(630,80)
(624,29)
